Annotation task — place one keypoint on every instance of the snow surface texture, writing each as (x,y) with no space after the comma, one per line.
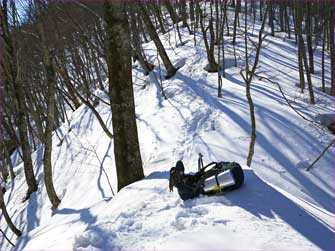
(281,206)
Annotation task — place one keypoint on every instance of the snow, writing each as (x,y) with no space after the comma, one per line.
(280,206)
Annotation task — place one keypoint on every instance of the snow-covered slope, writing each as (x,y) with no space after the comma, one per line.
(281,206)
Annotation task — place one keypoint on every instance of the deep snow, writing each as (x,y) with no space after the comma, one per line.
(281,206)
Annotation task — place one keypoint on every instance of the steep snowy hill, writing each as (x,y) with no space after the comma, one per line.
(281,206)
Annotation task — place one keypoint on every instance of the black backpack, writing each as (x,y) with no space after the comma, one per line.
(213,179)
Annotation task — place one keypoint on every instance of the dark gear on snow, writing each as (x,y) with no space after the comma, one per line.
(220,178)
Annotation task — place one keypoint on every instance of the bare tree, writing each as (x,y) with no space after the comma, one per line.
(249,74)
(212,64)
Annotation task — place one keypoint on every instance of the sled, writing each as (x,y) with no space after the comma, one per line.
(216,178)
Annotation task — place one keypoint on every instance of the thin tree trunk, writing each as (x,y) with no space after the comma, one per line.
(65,75)
(171,70)
(191,6)
(9,162)
(271,17)
(184,15)
(323,57)
(8,220)
(4,171)
(300,60)
(143,32)
(287,23)
(303,54)
(158,13)
(237,10)
(212,65)
(171,11)
(137,45)
(332,47)
(281,15)
(51,83)
(248,79)
(309,37)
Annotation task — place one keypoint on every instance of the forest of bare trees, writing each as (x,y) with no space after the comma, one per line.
(55,54)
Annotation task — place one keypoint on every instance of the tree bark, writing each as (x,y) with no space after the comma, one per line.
(126,145)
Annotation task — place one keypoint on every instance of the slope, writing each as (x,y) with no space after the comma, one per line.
(281,206)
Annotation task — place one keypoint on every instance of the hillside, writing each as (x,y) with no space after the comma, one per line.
(281,206)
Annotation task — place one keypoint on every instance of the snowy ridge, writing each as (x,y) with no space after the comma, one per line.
(280,207)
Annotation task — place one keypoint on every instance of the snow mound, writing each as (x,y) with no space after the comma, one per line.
(255,214)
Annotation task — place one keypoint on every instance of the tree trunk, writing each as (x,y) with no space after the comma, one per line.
(9,162)
(184,15)
(300,60)
(247,79)
(301,44)
(8,220)
(4,171)
(20,103)
(332,47)
(191,6)
(159,15)
(137,45)
(128,160)
(171,11)
(281,15)
(212,65)
(171,70)
(287,23)
(323,57)
(271,17)
(64,73)
(143,32)
(309,37)
(51,84)
(237,10)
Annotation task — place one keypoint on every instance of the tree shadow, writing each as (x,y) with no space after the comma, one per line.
(263,201)
(100,173)
(84,214)
(158,175)
(260,199)
(32,219)
(274,122)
